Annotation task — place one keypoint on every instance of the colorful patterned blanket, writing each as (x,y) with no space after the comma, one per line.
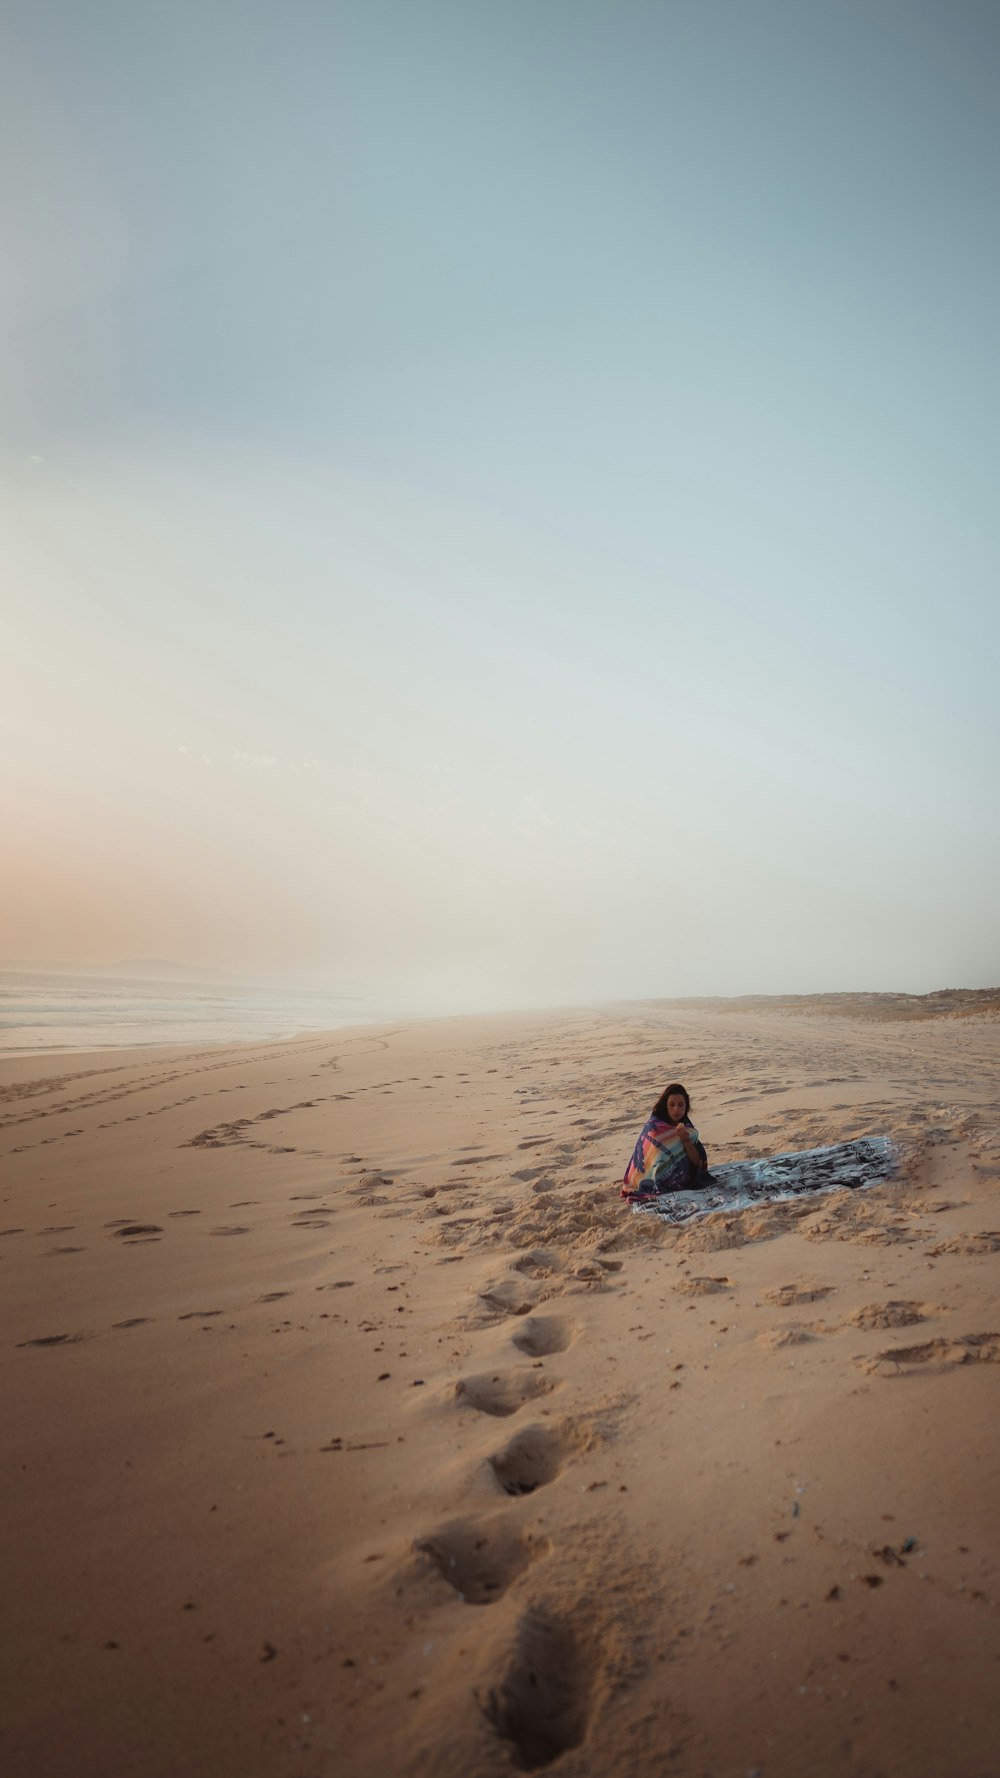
(739,1185)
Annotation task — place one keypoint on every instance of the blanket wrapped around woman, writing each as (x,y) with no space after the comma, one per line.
(659,1162)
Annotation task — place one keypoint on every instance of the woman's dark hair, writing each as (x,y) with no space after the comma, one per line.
(660,1108)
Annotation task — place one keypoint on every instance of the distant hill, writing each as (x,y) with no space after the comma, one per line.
(944,1003)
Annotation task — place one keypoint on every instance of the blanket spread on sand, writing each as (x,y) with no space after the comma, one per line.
(659,1162)
(738,1185)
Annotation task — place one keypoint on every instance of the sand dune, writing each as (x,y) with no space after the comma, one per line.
(355,1427)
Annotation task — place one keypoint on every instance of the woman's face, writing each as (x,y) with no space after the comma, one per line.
(676,1108)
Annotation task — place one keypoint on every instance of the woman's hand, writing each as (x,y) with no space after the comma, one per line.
(689,1148)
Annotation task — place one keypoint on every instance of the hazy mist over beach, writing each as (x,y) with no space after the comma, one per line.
(498,501)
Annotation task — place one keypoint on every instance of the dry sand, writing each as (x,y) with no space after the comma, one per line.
(352,1426)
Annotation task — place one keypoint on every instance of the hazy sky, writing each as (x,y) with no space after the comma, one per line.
(503,496)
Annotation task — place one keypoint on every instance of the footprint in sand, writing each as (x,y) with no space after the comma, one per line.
(542,1335)
(892,1314)
(866,1223)
(274,1296)
(703,1286)
(776,1339)
(130,1230)
(986,1241)
(511,1296)
(530,1460)
(541,1703)
(934,1356)
(501,1393)
(786,1295)
(231,1229)
(538,1263)
(132,1321)
(481,1559)
(63,1339)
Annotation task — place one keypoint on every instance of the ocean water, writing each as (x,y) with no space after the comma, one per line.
(47,1011)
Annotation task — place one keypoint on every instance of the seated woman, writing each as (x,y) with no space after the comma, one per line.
(668,1156)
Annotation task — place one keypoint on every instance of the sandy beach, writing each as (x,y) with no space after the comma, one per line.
(353,1426)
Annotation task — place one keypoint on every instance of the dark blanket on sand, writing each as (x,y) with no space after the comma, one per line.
(738,1185)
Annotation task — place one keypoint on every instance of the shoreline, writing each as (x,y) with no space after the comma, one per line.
(965,1004)
(83,1053)
(346,1395)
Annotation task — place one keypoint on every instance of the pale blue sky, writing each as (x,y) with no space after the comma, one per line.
(504,496)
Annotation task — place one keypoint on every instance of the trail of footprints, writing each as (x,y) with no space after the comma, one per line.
(539,1704)
(131,1233)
